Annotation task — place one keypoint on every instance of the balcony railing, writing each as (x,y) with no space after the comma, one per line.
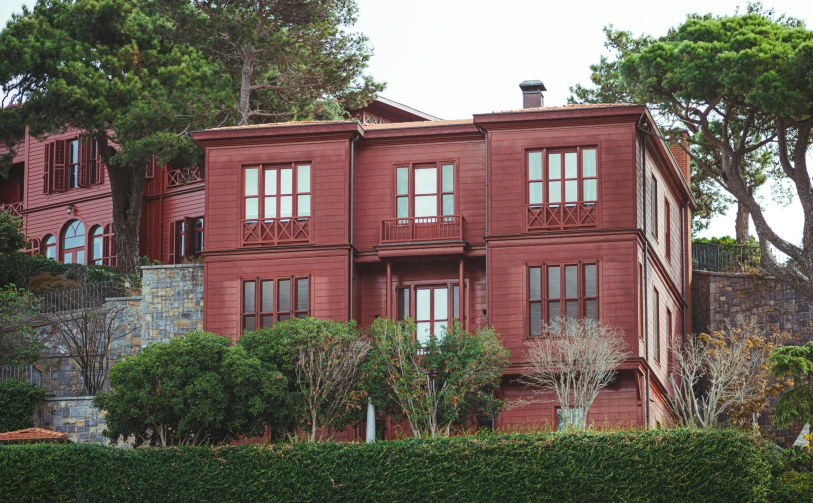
(26,373)
(276,231)
(186,176)
(403,230)
(16,209)
(561,216)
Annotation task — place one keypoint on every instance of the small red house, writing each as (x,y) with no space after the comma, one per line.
(505,219)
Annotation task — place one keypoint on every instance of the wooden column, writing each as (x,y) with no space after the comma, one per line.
(387,296)
(461,295)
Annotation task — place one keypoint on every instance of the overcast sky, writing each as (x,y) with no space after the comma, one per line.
(453,58)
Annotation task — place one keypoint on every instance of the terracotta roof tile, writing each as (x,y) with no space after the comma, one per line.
(32,435)
(404,125)
(568,107)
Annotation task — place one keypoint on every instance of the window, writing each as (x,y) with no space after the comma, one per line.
(574,416)
(667,215)
(568,176)
(669,330)
(277,192)
(569,290)
(656,324)
(70,164)
(434,306)
(641,312)
(268,300)
(425,190)
(198,235)
(186,238)
(654,207)
(50,246)
(73,243)
(97,245)
(73,164)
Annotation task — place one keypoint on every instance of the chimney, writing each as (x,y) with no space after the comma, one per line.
(532,93)
(682,158)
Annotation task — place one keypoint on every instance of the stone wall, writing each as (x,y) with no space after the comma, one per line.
(775,307)
(172,301)
(76,417)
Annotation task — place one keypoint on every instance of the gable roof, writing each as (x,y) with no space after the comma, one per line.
(32,435)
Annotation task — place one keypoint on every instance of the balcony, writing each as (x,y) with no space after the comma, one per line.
(16,209)
(409,230)
(280,231)
(181,177)
(562,216)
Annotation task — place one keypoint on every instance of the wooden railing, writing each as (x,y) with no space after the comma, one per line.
(561,216)
(276,231)
(16,209)
(186,176)
(402,230)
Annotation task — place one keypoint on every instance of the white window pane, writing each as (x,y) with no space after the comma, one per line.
(535,193)
(403,207)
(535,166)
(440,329)
(448,178)
(286,206)
(589,162)
(251,181)
(571,282)
(68,258)
(422,306)
(536,318)
(270,207)
(423,333)
(534,280)
(286,181)
(303,181)
(448,204)
(441,303)
(426,206)
(303,205)
(571,169)
(590,280)
(554,166)
(80,257)
(426,181)
(590,190)
(270,182)
(591,309)
(554,284)
(571,190)
(402,184)
(251,208)
(97,247)
(555,192)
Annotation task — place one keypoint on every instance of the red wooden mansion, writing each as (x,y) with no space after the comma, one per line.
(505,219)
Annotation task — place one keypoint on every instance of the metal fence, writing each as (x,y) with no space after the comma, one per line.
(26,373)
(720,257)
(87,296)
(56,382)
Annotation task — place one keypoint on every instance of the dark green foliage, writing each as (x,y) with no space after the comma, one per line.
(12,238)
(796,481)
(796,404)
(655,466)
(197,388)
(19,268)
(17,402)
(19,340)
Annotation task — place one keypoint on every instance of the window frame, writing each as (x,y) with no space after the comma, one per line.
(96,233)
(72,169)
(276,314)
(439,192)
(73,250)
(654,207)
(667,224)
(546,180)
(46,246)
(453,311)
(656,323)
(261,195)
(545,298)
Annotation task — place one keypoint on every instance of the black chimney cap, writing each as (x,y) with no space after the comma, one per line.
(528,86)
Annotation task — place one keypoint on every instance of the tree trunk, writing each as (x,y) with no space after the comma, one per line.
(245,85)
(742,223)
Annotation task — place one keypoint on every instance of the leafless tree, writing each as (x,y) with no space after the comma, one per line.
(327,371)
(574,359)
(84,327)
(724,373)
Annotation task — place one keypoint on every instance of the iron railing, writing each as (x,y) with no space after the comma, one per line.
(26,373)
(88,296)
(404,230)
(722,257)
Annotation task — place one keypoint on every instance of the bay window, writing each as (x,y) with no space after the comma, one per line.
(266,300)
(277,192)
(561,290)
(567,176)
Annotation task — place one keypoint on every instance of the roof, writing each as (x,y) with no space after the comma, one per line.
(432,123)
(405,108)
(571,106)
(278,124)
(32,435)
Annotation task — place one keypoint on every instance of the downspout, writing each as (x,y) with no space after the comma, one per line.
(646,273)
(488,311)
(352,248)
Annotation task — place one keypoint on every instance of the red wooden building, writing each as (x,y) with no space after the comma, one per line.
(505,219)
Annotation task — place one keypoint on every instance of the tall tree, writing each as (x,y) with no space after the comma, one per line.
(287,59)
(108,68)
(757,166)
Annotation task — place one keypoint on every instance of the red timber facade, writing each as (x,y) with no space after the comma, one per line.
(505,219)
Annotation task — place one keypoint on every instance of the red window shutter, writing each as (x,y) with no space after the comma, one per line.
(59,148)
(173,241)
(107,244)
(84,162)
(189,242)
(49,167)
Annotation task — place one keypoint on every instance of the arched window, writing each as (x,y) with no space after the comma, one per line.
(49,246)
(96,245)
(73,243)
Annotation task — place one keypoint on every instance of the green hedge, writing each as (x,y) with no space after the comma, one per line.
(18,399)
(668,466)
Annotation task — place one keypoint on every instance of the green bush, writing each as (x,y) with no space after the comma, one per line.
(18,268)
(652,466)
(17,402)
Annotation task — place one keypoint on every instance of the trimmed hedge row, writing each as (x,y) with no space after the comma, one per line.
(668,466)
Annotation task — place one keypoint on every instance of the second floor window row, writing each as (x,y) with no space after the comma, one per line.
(425,190)
(277,192)
(71,164)
(562,176)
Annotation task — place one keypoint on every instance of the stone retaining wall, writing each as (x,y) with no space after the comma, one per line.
(76,417)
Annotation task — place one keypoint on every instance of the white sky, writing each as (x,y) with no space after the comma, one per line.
(453,58)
